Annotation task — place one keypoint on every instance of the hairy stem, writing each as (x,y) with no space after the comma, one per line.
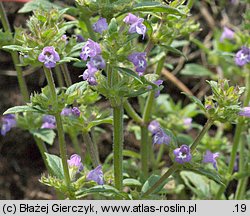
(145,147)
(61,139)
(236,141)
(15,59)
(89,27)
(75,141)
(118,145)
(131,112)
(42,148)
(66,75)
(59,76)
(201,134)
(91,149)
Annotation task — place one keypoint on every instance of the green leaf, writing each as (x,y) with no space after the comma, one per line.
(149,28)
(69,59)
(105,190)
(151,181)
(46,135)
(196,101)
(94,123)
(196,70)
(80,87)
(77,47)
(131,182)
(200,185)
(156,7)
(213,175)
(174,50)
(18,109)
(129,73)
(17,48)
(5,38)
(55,163)
(38,4)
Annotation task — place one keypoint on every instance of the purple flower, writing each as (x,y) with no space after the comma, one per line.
(130,19)
(98,62)
(75,162)
(64,38)
(96,175)
(160,137)
(76,112)
(139,61)
(66,111)
(136,25)
(9,121)
(90,49)
(100,26)
(210,157)
(154,127)
(49,122)
(182,154)
(49,57)
(89,74)
(79,38)
(245,112)
(226,34)
(158,82)
(242,57)
(188,122)
(71,111)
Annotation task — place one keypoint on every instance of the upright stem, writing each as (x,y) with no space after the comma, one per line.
(89,27)
(170,171)
(74,139)
(201,134)
(91,149)
(145,147)
(59,76)
(61,139)
(14,55)
(237,136)
(144,151)
(42,148)
(242,182)
(118,145)
(66,75)
(131,112)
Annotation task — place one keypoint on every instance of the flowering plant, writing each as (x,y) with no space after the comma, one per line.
(121,49)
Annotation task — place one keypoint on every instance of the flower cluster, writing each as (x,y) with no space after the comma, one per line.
(49,57)
(100,26)
(159,136)
(136,25)
(92,50)
(71,112)
(76,166)
(139,61)
(242,57)
(49,122)
(8,122)
(183,155)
